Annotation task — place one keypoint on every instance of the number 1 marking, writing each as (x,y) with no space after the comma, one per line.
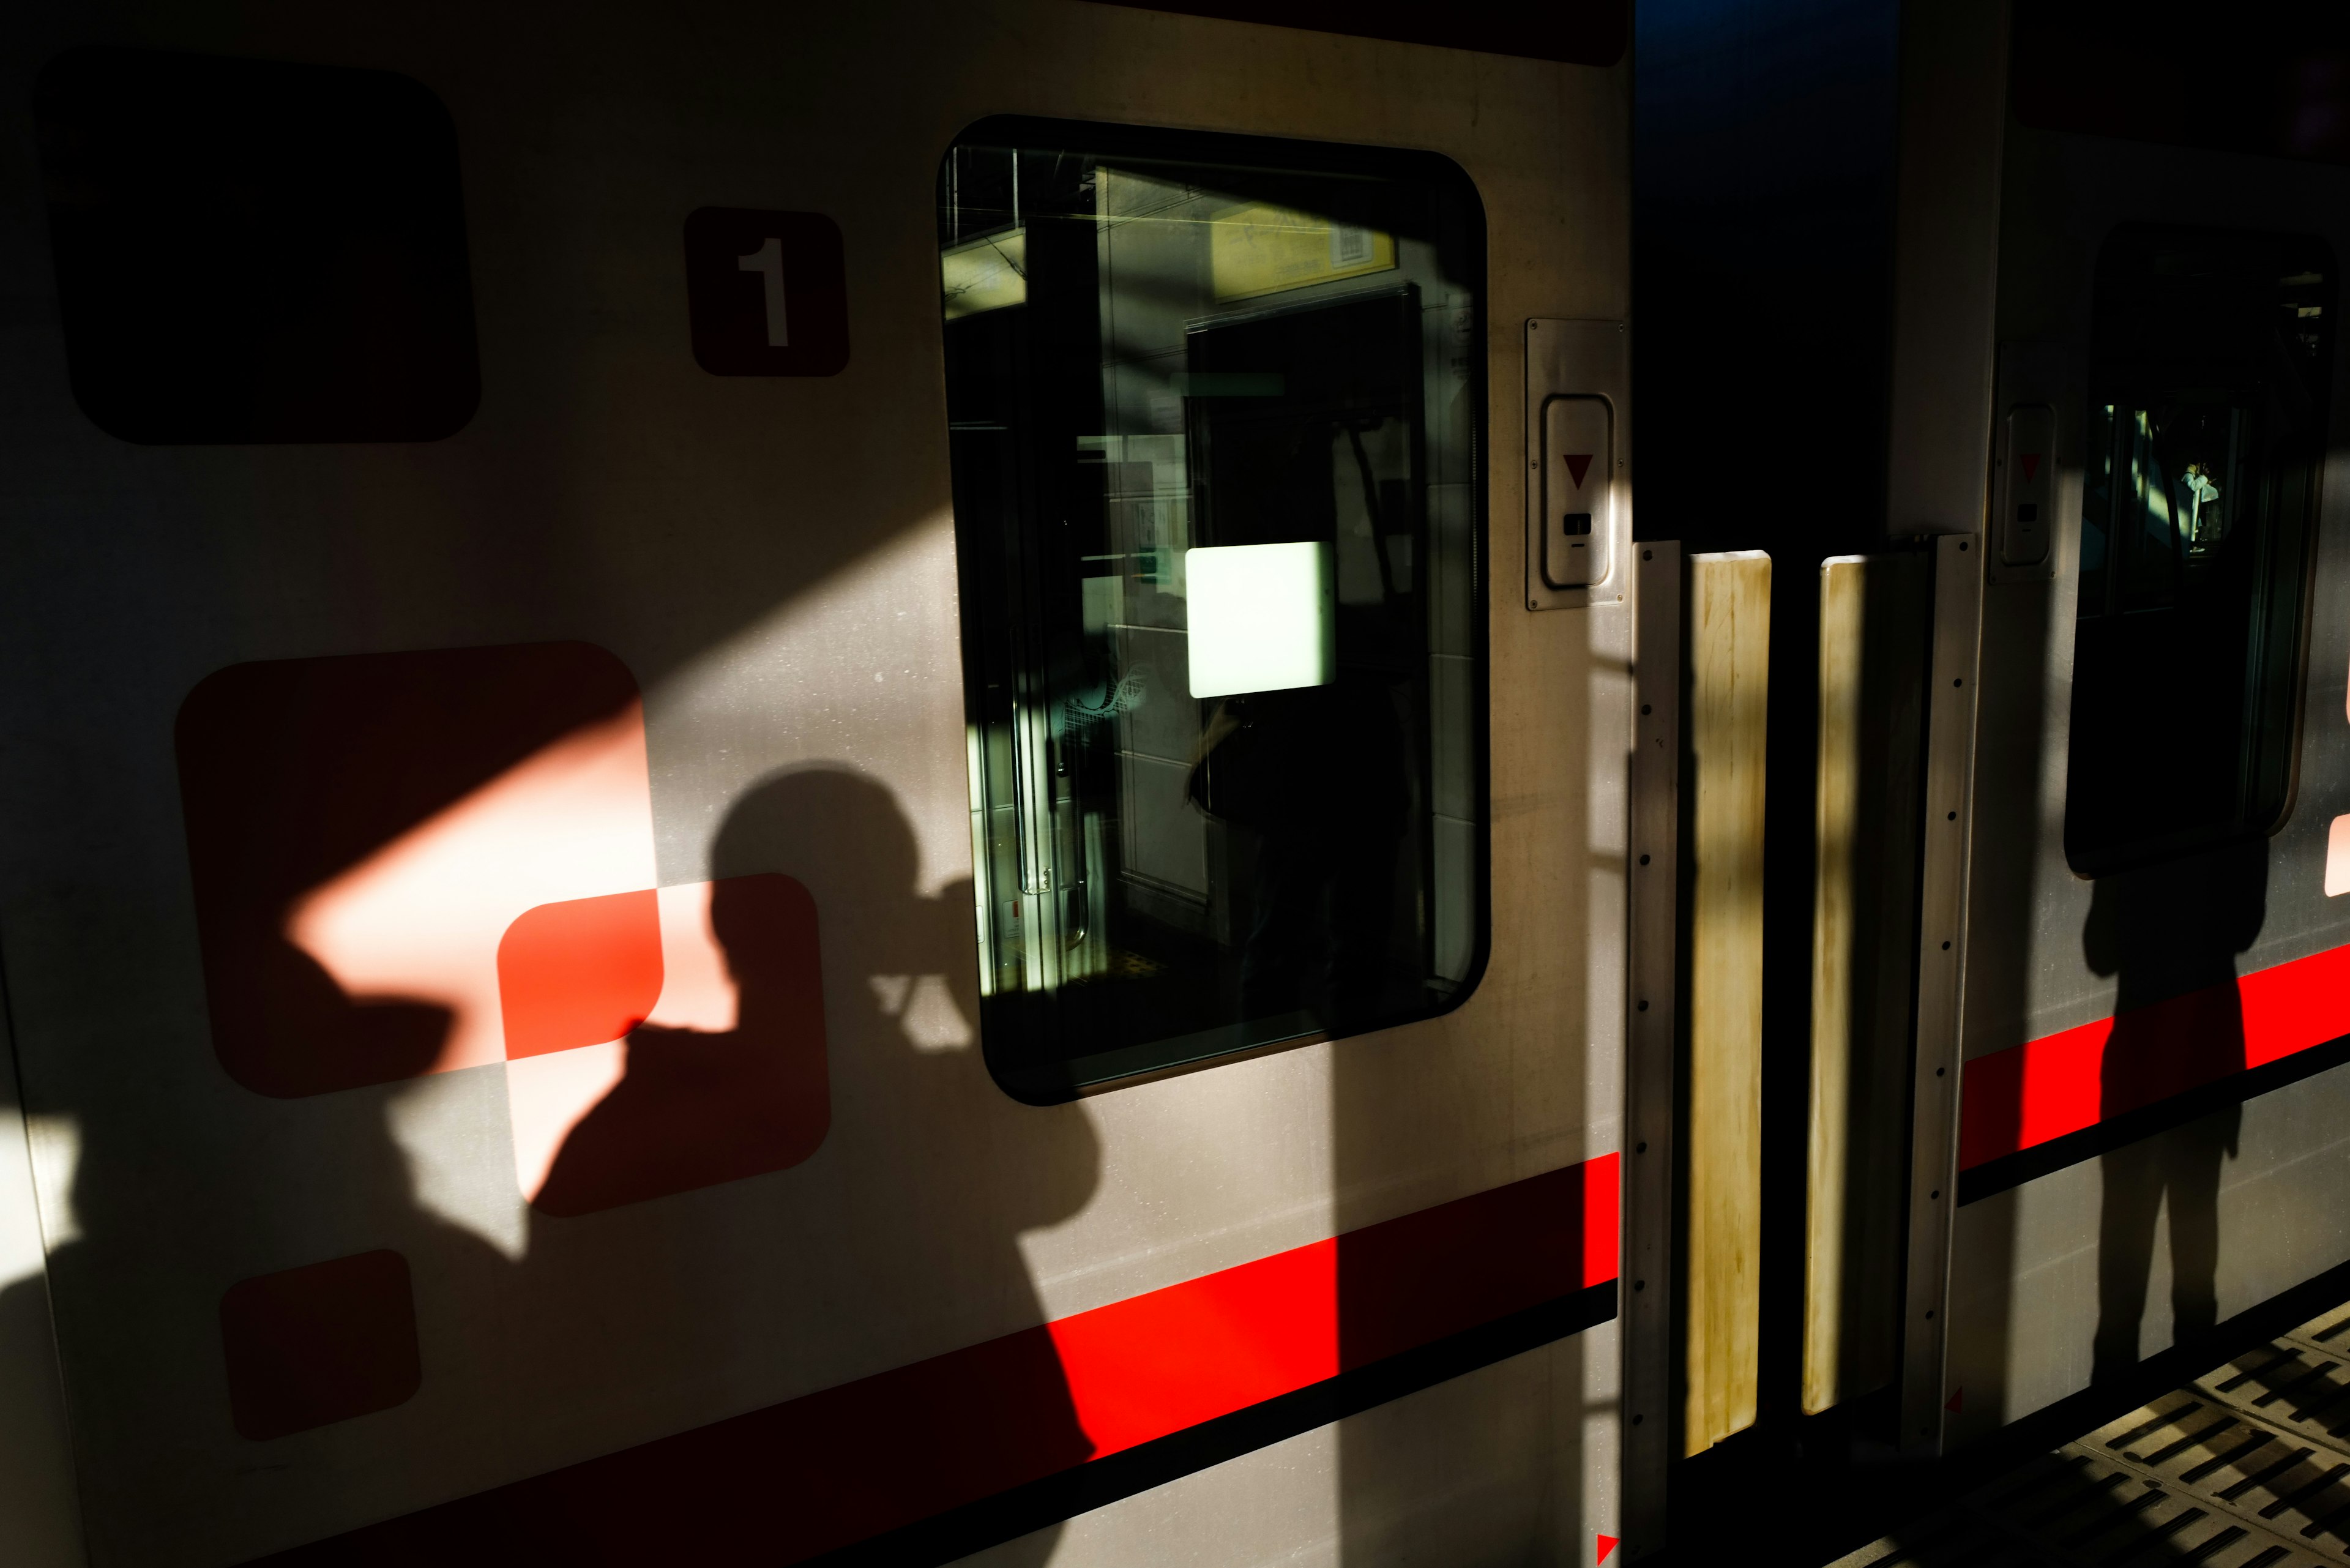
(767,261)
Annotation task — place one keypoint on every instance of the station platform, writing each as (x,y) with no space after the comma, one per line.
(2247,1466)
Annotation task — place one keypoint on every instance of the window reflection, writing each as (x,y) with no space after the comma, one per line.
(1214,409)
(2209,369)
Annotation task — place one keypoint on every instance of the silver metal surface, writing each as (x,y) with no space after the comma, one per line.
(2023,1288)
(2042,381)
(2026,488)
(1577,455)
(1653,884)
(1952,72)
(40,1525)
(785,603)
(1578,360)
(1953,85)
(1941,964)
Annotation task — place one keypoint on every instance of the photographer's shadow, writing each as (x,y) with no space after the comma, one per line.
(942,1170)
(2170,934)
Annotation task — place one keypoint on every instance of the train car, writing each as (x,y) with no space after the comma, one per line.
(2065,971)
(840,783)
(2052,1009)
(2151,1135)
(902,785)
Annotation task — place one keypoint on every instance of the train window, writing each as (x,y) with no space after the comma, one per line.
(251,251)
(2209,369)
(1215,409)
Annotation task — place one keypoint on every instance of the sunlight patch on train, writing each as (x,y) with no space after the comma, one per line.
(1259,1136)
(54,1146)
(1607,831)
(550,1092)
(861,674)
(925,1010)
(421,918)
(454,1137)
(523,924)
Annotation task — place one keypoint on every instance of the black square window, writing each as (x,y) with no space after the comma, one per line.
(249,251)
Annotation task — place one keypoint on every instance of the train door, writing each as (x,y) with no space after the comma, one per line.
(2145,1138)
(849,783)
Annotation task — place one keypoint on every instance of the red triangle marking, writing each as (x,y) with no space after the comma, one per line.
(2031,466)
(1958,1400)
(1578,463)
(1607,1543)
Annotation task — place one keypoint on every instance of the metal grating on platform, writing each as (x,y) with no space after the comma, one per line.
(2247,1466)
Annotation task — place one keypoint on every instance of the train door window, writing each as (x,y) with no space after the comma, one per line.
(1215,408)
(2209,367)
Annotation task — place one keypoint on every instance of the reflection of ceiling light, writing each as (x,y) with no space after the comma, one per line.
(1261,618)
(1258,249)
(985,275)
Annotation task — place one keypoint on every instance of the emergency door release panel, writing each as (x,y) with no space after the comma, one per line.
(2028,485)
(1578,468)
(1577,458)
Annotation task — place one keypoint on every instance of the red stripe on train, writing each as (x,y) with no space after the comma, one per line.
(2046,1088)
(814,1474)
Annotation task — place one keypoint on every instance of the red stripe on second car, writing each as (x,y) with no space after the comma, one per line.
(2047,1088)
(815,1474)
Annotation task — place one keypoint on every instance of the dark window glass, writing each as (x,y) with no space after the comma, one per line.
(2209,372)
(1215,411)
(248,250)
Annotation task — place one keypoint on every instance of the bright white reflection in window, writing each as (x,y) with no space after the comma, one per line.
(1261,618)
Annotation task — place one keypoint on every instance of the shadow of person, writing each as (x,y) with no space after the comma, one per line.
(2170,934)
(206,1298)
(696,1108)
(1319,776)
(291,1031)
(940,1169)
